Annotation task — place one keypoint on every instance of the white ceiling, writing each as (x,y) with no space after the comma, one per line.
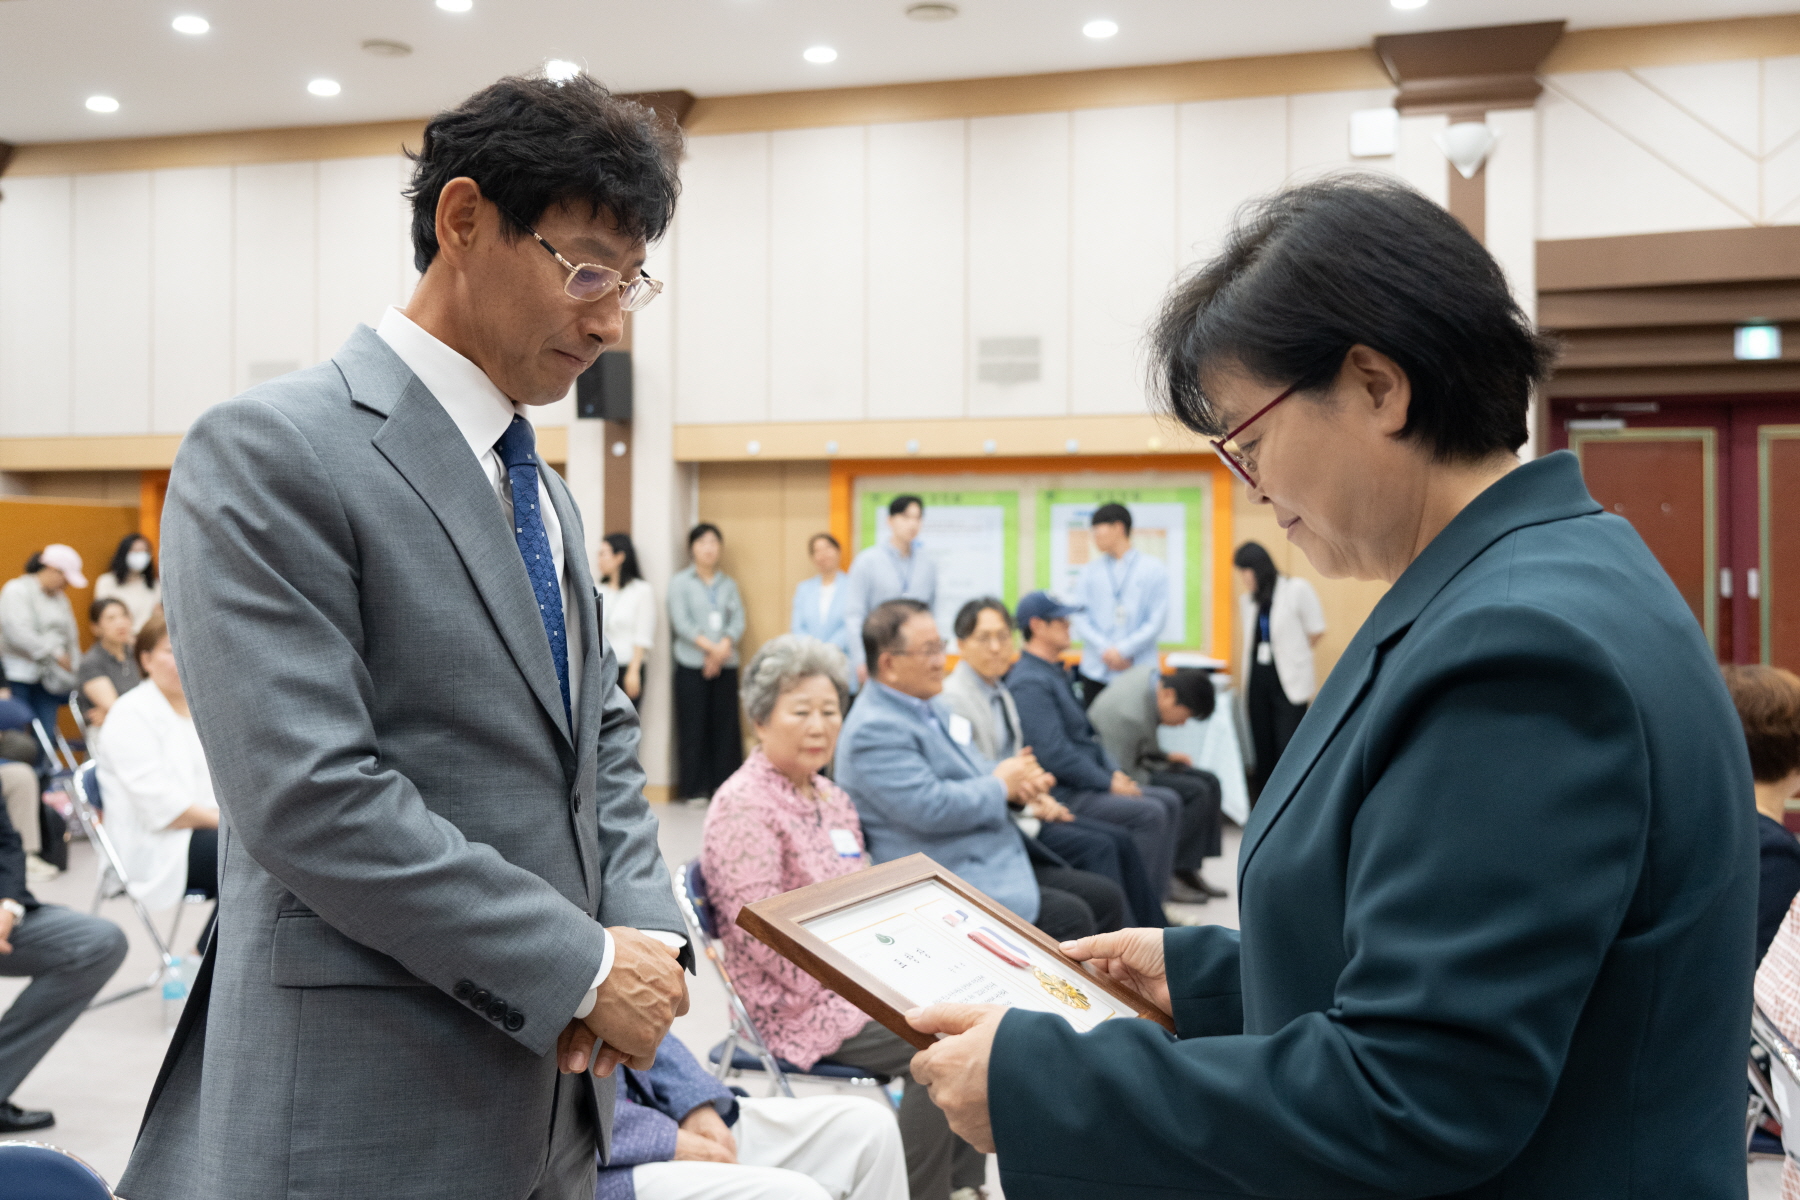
(251,70)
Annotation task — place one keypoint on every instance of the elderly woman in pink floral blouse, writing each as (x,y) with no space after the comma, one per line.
(776,825)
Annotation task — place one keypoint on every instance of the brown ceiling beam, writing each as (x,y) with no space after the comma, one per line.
(1761,252)
(1703,304)
(1468,70)
(1682,346)
(1736,379)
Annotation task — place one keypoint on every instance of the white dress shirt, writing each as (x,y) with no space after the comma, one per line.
(482,413)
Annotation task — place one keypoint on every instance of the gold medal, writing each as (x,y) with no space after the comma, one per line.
(1060,988)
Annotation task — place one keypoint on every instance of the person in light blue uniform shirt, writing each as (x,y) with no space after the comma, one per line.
(1124,594)
(897,568)
(819,601)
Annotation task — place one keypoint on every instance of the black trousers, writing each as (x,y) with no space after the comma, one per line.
(1202,823)
(709,745)
(203,863)
(1273,719)
(1090,689)
(1109,850)
(1077,904)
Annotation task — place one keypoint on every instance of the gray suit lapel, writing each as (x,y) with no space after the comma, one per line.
(424,445)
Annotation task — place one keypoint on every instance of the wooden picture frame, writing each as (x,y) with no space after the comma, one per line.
(781,922)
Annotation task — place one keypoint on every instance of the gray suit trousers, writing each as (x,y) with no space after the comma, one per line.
(69,957)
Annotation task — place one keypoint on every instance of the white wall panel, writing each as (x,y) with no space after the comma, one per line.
(407,277)
(1421,160)
(1123,249)
(1319,132)
(35,320)
(111,310)
(721,298)
(275,272)
(1724,96)
(191,286)
(1596,182)
(1655,126)
(1019,255)
(917,258)
(1230,151)
(357,236)
(1511,176)
(817,274)
(1780,102)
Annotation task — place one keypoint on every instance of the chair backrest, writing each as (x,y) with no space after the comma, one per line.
(87,785)
(695,879)
(48,1173)
(81,725)
(1783,1078)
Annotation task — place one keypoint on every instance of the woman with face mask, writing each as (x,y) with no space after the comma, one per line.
(131,579)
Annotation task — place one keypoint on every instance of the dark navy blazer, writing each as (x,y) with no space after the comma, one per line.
(1497,902)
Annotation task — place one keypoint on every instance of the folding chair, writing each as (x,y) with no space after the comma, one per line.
(34,1169)
(1774,1071)
(112,881)
(743,1048)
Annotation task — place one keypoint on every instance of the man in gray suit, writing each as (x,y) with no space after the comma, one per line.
(437,867)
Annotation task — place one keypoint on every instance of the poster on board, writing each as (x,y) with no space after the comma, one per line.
(1171,525)
(971,537)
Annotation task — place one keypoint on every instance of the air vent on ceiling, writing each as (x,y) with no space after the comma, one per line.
(1009,360)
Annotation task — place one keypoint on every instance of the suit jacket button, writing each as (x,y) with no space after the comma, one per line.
(515,1021)
(496,1009)
(479,1000)
(577,801)
(463,990)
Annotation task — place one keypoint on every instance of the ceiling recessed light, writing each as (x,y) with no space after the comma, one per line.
(456,5)
(1405,5)
(386,48)
(324,87)
(560,70)
(820,54)
(931,12)
(191,25)
(102,104)
(1101,28)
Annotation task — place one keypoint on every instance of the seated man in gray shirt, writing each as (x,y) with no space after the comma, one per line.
(1126,715)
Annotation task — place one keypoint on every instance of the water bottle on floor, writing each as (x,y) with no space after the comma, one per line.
(174,993)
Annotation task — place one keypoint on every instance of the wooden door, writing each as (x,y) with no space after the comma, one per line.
(1665,482)
(1778,537)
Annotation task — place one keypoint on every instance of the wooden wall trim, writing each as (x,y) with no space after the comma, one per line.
(298,144)
(1696,256)
(1216,79)
(156,452)
(1622,47)
(1734,379)
(1013,437)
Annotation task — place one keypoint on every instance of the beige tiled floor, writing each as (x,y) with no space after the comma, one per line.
(97,1078)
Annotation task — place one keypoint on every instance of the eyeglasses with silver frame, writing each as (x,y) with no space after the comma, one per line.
(591,281)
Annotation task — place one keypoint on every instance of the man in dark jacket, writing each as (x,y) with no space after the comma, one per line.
(1089,782)
(69,957)
(678,1133)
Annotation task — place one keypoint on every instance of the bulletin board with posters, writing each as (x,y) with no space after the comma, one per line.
(1167,524)
(1008,526)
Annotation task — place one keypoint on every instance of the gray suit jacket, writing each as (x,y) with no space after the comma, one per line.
(1125,717)
(417,853)
(965,695)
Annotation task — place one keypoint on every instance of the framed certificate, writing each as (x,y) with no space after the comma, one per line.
(909,933)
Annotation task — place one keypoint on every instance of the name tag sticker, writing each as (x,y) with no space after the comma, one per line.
(845,843)
(1265,654)
(716,620)
(961,731)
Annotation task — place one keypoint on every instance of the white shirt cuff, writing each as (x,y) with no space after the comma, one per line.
(606,963)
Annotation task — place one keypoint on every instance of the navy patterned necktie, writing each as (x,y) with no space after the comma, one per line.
(517,449)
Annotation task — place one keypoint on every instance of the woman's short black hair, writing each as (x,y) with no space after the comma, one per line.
(701,530)
(118,568)
(99,607)
(533,143)
(1253,558)
(620,544)
(1356,259)
(816,538)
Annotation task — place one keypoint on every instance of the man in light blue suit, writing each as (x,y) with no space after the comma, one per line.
(819,601)
(1124,599)
(918,790)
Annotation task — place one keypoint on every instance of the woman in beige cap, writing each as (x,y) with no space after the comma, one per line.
(38,638)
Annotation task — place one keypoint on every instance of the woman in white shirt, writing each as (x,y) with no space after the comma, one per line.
(131,579)
(630,610)
(1282,621)
(160,810)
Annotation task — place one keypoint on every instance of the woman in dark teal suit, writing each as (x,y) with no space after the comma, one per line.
(1498,898)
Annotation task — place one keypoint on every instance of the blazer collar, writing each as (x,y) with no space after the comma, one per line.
(1543,490)
(426,447)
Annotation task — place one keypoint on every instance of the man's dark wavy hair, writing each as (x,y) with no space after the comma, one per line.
(534,143)
(1313,270)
